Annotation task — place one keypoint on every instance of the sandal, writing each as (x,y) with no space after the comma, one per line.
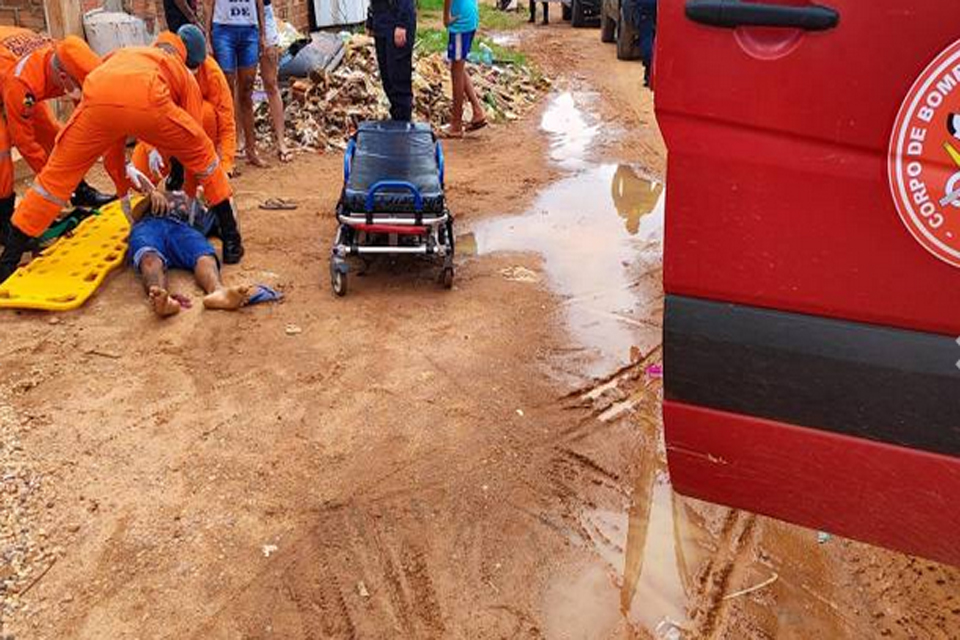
(449,134)
(475,126)
(278,204)
(285,155)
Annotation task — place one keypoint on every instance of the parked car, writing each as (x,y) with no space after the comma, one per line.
(620,23)
(812,263)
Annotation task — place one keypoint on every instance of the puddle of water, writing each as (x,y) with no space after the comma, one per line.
(650,555)
(600,234)
(571,132)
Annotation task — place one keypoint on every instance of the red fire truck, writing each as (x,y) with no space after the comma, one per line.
(812,262)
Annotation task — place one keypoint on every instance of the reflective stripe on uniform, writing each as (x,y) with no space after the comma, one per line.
(206,173)
(49,197)
(4,154)
(20,65)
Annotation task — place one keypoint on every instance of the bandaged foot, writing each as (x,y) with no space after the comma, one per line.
(163,303)
(227,298)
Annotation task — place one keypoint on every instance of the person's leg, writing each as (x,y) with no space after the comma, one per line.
(383,45)
(245,81)
(147,241)
(153,272)
(457,74)
(269,71)
(546,13)
(401,71)
(189,249)
(478,115)
(533,11)
(218,296)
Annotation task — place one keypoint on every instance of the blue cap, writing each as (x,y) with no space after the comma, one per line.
(196,45)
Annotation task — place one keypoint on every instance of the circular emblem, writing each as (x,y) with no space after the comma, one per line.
(924,158)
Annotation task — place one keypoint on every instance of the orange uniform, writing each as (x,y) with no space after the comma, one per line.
(23,103)
(138,91)
(219,121)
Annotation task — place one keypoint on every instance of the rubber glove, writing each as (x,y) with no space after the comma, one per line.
(140,181)
(156,163)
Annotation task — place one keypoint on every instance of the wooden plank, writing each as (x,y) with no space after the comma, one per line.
(64,18)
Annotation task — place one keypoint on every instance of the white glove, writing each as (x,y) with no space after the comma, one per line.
(140,180)
(156,163)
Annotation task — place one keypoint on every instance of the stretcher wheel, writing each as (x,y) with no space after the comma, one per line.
(446,278)
(339,283)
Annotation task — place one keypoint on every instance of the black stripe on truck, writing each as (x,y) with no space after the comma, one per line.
(889,385)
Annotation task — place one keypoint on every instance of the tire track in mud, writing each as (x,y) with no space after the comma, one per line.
(351,576)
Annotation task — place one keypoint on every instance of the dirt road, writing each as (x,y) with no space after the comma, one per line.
(410,462)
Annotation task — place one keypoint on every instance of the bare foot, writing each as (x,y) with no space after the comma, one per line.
(256,161)
(163,304)
(227,298)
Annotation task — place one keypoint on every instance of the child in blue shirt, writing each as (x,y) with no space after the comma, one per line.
(462,17)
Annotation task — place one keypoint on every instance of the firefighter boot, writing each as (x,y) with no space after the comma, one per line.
(17,244)
(229,232)
(7,206)
(87,196)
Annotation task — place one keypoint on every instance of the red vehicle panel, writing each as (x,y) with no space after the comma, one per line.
(805,287)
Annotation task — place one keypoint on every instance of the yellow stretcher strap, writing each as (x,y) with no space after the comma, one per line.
(66,274)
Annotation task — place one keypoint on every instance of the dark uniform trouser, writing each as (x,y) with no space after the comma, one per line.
(396,73)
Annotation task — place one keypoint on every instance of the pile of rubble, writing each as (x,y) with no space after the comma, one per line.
(325,108)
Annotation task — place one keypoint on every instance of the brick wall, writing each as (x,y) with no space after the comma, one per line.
(25,13)
(29,13)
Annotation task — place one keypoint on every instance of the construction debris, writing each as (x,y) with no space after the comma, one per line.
(324,109)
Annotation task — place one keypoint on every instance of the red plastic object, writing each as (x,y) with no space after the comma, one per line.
(891,496)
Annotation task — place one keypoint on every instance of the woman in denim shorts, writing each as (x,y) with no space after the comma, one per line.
(234,29)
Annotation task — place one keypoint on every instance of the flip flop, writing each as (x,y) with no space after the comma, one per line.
(475,126)
(263,293)
(278,204)
(285,156)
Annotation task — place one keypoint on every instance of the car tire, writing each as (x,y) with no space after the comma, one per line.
(565,11)
(608,28)
(578,17)
(628,45)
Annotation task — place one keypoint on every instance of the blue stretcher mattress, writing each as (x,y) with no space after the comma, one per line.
(393,151)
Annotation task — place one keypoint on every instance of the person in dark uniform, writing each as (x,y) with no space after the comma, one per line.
(533,12)
(394,27)
(648,36)
(179,13)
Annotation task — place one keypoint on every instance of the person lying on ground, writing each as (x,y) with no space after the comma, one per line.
(144,92)
(170,232)
(462,17)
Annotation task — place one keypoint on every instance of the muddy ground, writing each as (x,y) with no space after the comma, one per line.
(411,462)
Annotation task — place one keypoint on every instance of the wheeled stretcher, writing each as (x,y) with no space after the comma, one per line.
(392,201)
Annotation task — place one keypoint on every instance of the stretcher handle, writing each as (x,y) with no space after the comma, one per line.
(394,184)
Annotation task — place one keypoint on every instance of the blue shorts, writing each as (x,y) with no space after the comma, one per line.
(236,46)
(176,243)
(459,45)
